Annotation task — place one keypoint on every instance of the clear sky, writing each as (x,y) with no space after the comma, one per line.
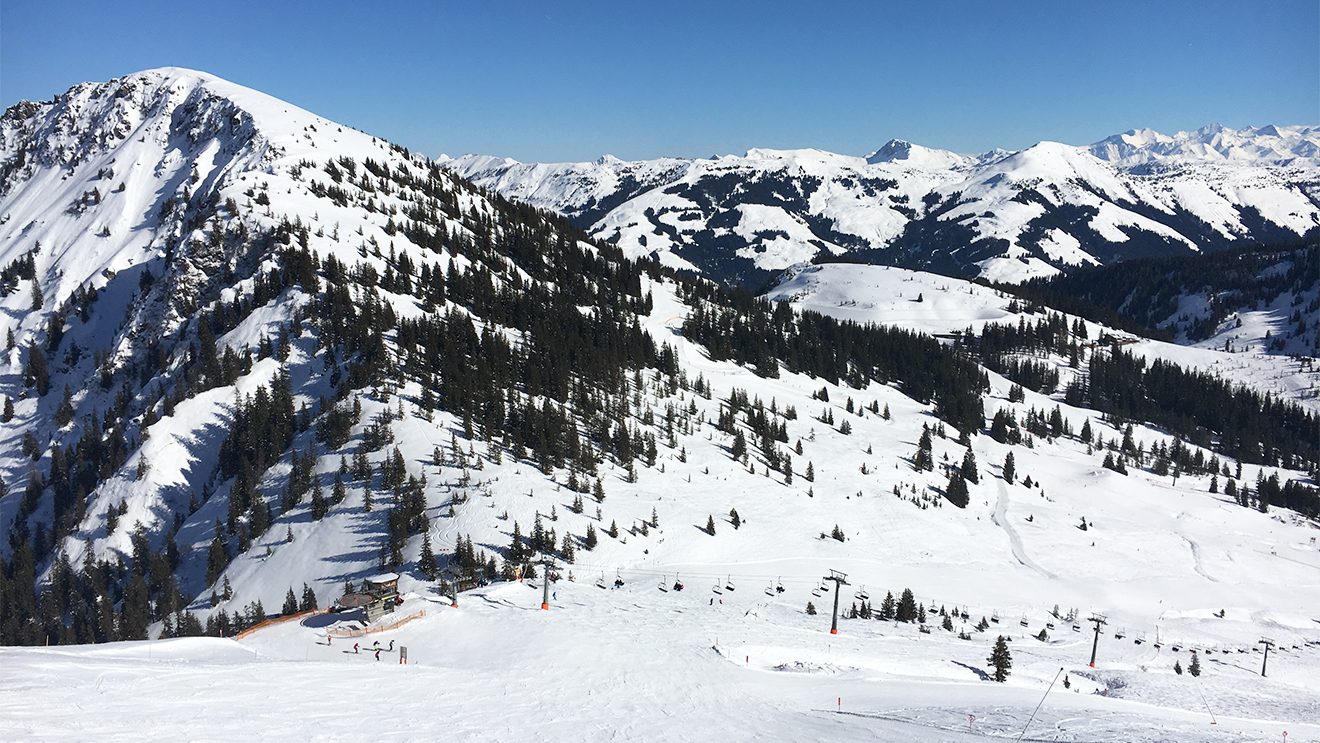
(564,80)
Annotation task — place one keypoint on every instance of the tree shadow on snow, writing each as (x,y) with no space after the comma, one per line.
(982,675)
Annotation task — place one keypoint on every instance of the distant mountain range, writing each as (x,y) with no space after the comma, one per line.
(1004,215)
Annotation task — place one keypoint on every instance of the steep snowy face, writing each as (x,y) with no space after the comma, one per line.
(1006,216)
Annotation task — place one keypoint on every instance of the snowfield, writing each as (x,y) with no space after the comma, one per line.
(639,664)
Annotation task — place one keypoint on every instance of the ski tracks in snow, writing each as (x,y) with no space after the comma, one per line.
(1000,518)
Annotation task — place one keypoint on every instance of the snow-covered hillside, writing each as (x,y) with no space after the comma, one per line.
(1003,215)
(941,305)
(297,355)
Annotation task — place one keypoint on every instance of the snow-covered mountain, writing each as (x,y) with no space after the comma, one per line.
(1006,216)
(253,349)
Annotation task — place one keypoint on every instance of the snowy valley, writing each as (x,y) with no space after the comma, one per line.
(253,356)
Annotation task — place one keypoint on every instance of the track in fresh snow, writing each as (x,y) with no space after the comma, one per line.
(1000,517)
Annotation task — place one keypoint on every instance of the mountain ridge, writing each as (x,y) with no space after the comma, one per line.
(1001,215)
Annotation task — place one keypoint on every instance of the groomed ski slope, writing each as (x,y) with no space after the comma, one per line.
(638,664)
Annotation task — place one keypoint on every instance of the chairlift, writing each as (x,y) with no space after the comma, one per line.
(1049,625)
(817,591)
(716,588)
(728,583)
(1077,627)
(770,589)
(618,580)
(1024,622)
(995,617)
(862,595)
(600,582)
(1177,649)
(1119,635)
(663,588)
(1158,644)
(678,583)
(779,585)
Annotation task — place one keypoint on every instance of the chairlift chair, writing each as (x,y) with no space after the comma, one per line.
(663,588)
(1049,625)
(995,617)
(678,583)
(600,582)
(728,583)
(716,588)
(1077,627)
(862,595)
(1023,622)
(779,586)
(770,589)
(1119,635)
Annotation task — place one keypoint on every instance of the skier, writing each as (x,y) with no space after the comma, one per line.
(377,654)
(391,649)
(355,648)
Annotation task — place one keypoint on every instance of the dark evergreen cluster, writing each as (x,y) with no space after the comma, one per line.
(737,326)
(1141,295)
(1202,408)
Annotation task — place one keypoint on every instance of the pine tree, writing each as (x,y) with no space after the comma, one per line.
(1010,469)
(319,505)
(290,603)
(589,543)
(613,531)
(947,624)
(734,518)
(923,459)
(739,448)
(907,607)
(956,491)
(308,599)
(1001,660)
(710,525)
(887,606)
(217,557)
(968,468)
(426,562)
(1194,667)
(1177,667)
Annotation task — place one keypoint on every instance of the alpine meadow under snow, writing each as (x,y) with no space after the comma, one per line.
(254,357)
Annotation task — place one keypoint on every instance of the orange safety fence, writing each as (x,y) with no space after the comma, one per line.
(277,620)
(377,628)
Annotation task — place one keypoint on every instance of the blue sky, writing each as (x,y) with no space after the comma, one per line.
(572,80)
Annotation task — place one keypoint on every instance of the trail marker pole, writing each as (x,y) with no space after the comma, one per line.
(840,579)
(1268,643)
(1099,620)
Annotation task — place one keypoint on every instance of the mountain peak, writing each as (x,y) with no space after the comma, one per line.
(907,153)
